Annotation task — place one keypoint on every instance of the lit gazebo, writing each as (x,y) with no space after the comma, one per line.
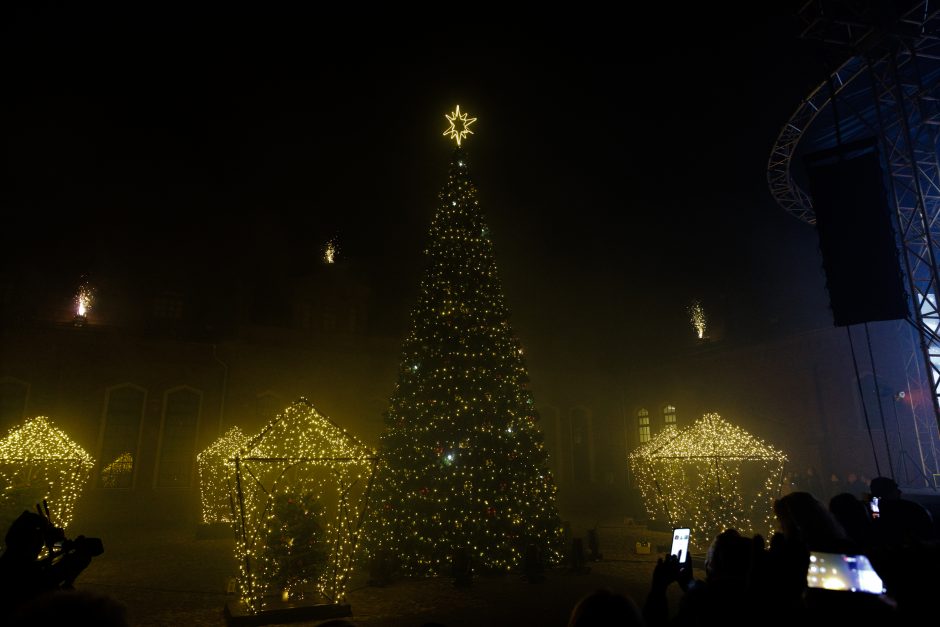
(644,473)
(38,461)
(710,476)
(216,467)
(301,490)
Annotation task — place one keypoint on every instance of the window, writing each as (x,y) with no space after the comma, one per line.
(177,452)
(120,436)
(582,462)
(13,396)
(549,424)
(643,421)
(669,415)
(168,307)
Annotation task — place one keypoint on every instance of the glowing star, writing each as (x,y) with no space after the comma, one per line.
(461,119)
(697,317)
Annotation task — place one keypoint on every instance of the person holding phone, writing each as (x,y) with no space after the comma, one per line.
(721,598)
(680,543)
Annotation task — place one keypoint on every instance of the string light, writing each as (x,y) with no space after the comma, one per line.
(300,492)
(116,474)
(710,476)
(38,461)
(464,465)
(645,472)
(216,467)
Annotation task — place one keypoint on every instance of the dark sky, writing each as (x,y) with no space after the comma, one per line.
(620,157)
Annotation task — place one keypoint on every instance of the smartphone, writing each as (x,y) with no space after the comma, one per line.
(680,543)
(838,571)
(875,508)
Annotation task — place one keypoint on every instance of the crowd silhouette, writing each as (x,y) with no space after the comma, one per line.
(745,580)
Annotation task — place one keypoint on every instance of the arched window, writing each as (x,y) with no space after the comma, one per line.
(178,429)
(168,306)
(582,446)
(669,415)
(550,426)
(120,436)
(643,423)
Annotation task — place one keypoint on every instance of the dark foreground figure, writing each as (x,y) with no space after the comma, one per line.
(38,568)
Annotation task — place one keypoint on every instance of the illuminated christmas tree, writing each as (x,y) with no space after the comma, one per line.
(464,467)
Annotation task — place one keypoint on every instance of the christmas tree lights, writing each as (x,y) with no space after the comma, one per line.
(464,466)
(301,488)
(710,476)
(216,467)
(38,461)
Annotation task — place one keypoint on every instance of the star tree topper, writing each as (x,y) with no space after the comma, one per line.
(458,119)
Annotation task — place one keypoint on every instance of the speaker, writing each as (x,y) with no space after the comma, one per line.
(856,234)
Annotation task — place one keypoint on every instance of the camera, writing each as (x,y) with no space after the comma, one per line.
(65,558)
(91,547)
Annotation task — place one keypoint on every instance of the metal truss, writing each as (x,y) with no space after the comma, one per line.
(889,89)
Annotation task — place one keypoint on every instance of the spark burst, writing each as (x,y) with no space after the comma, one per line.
(697,317)
(83,300)
(329,254)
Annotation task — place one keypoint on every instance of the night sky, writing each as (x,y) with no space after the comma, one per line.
(621,178)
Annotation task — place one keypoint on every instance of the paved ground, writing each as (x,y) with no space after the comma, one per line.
(166,576)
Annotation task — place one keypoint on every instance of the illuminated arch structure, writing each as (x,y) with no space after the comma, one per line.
(710,476)
(644,472)
(38,461)
(216,467)
(304,463)
(888,88)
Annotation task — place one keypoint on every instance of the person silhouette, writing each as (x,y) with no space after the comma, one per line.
(605,608)
(24,576)
(902,521)
(721,598)
(855,518)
